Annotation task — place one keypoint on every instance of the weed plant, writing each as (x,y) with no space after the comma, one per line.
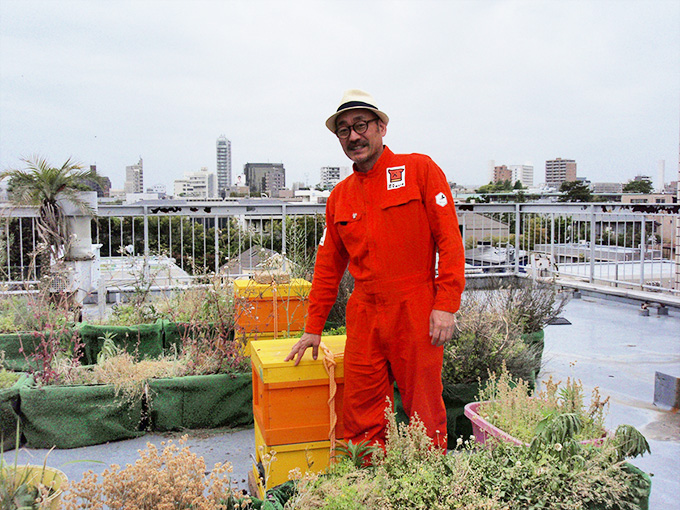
(528,303)
(412,474)
(7,378)
(509,405)
(485,337)
(34,312)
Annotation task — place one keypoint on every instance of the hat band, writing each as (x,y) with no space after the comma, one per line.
(355,104)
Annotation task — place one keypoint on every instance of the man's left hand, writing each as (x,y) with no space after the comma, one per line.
(442,325)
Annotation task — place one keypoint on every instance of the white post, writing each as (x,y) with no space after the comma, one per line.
(79,256)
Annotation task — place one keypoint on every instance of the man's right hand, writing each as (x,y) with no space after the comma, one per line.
(307,340)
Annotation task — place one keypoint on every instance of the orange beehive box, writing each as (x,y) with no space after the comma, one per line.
(290,404)
(271,308)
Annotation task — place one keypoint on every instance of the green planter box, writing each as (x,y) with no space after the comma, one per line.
(201,401)
(20,347)
(9,412)
(73,416)
(17,348)
(141,340)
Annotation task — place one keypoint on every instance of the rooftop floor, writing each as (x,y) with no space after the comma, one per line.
(608,344)
(611,345)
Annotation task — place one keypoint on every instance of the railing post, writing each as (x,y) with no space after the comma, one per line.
(552,242)
(283,238)
(591,279)
(145,269)
(517,233)
(217,245)
(643,242)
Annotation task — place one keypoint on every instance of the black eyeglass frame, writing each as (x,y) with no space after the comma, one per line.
(359,128)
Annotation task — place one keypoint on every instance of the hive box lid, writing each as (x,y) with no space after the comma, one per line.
(267,357)
(298,287)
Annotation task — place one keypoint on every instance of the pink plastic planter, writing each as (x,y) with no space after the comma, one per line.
(482,429)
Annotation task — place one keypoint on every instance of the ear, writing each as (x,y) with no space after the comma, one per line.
(383,128)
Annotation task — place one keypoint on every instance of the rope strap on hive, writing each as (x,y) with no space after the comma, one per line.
(275,308)
(329,364)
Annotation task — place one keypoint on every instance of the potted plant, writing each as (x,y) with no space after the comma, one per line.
(29,487)
(507,409)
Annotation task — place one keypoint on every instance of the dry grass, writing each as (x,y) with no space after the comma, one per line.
(172,479)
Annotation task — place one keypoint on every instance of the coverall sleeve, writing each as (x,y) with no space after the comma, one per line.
(331,262)
(441,215)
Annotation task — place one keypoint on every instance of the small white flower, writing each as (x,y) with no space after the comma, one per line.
(472,438)
(558,447)
(459,441)
(518,464)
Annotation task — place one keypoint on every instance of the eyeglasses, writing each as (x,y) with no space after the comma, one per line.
(358,127)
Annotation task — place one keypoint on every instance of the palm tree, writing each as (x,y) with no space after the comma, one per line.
(44,186)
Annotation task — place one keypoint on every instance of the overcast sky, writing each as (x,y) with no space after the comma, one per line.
(105,82)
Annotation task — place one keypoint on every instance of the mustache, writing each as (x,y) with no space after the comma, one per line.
(356,145)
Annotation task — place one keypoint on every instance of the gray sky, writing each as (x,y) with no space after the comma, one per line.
(464,81)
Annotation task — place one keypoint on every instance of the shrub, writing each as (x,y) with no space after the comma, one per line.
(483,340)
(174,478)
(412,474)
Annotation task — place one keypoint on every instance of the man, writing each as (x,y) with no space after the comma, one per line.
(388,220)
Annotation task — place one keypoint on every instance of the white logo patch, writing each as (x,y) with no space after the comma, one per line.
(440,199)
(323,237)
(396,177)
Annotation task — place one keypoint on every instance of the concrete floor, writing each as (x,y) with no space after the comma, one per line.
(608,344)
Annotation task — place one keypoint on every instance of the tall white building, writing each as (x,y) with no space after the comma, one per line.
(223,165)
(134,177)
(330,176)
(522,173)
(201,184)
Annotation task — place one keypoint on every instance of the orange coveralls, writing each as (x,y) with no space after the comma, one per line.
(389,223)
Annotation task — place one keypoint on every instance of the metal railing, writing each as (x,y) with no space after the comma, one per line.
(635,246)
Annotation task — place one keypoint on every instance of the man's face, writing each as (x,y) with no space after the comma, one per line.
(364,149)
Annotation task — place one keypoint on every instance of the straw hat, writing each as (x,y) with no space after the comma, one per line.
(354,99)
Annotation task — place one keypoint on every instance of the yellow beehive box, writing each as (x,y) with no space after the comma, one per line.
(245,338)
(311,457)
(290,403)
(271,308)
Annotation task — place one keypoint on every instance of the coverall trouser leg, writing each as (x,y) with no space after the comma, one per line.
(388,340)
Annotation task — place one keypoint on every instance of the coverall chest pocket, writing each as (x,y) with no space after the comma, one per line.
(351,227)
(403,220)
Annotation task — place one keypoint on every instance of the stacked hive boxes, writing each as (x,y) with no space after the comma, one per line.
(291,409)
(270,310)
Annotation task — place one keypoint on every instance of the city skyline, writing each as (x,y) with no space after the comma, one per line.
(465,82)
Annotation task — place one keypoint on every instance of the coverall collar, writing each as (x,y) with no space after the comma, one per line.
(386,154)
